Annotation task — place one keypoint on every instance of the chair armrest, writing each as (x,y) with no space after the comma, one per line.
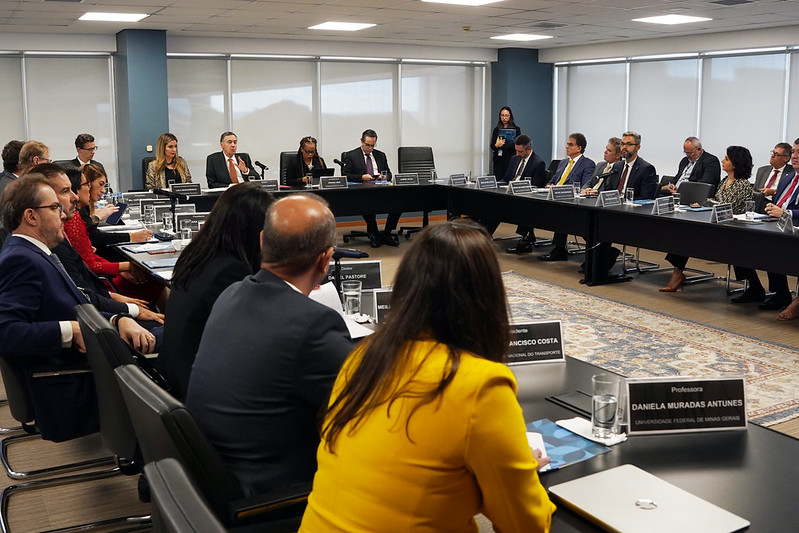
(274,505)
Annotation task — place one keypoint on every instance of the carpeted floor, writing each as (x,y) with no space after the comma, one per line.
(636,342)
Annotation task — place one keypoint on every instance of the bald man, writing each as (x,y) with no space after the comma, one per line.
(269,354)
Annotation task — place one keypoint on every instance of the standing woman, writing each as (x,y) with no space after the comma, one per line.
(503,148)
(307,159)
(168,166)
(423,429)
(226,250)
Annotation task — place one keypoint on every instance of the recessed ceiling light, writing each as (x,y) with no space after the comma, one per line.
(114,17)
(672,19)
(341,26)
(521,37)
(463,2)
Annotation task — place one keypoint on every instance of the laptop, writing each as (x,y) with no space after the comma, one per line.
(317,173)
(627,499)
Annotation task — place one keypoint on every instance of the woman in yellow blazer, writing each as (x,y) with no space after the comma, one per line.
(423,429)
(168,167)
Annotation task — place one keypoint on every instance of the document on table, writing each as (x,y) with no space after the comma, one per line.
(328,296)
(127,226)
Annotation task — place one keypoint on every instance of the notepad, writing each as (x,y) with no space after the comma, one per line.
(168,262)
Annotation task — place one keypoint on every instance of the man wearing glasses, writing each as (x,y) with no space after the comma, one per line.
(31,154)
(228,166)
(768,177)
(696,166)
(84,144)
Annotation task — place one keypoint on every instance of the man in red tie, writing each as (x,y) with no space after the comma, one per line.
(228,166)
(786,198)
(769,176)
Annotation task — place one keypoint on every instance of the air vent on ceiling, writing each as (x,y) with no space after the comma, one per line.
(729,3)
(67,1)
(547,25)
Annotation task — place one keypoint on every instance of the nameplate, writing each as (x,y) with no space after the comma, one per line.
(333,182)
(536,342)
(406,178)
(153,202)
(135,197)
(458,179)
(721,213)
(608,199)
(561,192)
(268,185)
(520,187)
(486,182)
(663,205)
(785,222)
(382,304)
(194,218)
(161,210)
(676,405)
(367,272)
(186,189)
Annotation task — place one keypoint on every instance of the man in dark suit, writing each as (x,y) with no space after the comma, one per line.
(786,198)
(38,327)
(269,354)
(698,166)
(526,164)
(228,166)
(768,176)
(611,156)
(10,164)
(575,168)
(31,154)
(363,165)
(86,147)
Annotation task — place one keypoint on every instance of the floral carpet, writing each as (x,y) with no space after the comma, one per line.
(636,342)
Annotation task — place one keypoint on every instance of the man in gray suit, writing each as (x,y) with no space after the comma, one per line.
(611,157)
(768,177)
(269,354)
(697,166)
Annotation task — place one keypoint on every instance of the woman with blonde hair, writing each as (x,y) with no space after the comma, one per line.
(423,429)
(168,167)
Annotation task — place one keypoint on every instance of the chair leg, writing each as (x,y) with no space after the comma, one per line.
(133,522)
(579,247)
(729,279)
(51,470)
(13,429)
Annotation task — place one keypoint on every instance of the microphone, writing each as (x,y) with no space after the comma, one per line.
(336,161)
(349,253)
(173,195)
(608,174)
(261,166)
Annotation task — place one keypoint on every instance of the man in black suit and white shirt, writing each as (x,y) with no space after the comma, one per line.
(228,166)
(698,166)
(768,177)
(86,147)
(10,164)
(269,354)
(363,165)
(526,164)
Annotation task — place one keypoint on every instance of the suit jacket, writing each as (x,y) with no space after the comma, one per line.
(35,294)
(642,178)
(296,169)
(217,173)
(707,169)
(793,202)
(764,173)
(5,179)
(580,173)
(355,164)
(534,170)
(267,362)
(599,169)
(188,310)
(93,287)
(153,181)
(77,163)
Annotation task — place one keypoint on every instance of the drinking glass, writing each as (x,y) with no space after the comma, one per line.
(604,405)
(750,209)
(168,227)
(351,291)
(629,196)
(676,197)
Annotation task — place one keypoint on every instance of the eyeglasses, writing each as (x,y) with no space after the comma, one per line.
(308,152)
(368,145)
(51,207)
(629,144)
(692,151)
(777,154)
(92,149)
(44,159)
(84,184)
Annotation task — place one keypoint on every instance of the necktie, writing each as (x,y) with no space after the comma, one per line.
(520,169)
(60,265)
(370,169)
(623,178)
(787,194)
(566,173)
(234,178)
(772,180)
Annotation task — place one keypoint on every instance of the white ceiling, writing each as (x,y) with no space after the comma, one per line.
(570,22)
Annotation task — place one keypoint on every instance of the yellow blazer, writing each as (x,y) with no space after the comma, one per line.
(463,454)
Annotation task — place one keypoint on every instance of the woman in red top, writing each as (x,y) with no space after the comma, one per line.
(128,279)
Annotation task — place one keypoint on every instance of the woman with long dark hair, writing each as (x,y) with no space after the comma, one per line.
(226,250)
(423,427)
(501,145)
(307,159)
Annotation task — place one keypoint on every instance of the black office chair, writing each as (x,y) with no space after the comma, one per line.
(553,167)
(145,162)
(355,234)
(178,507)
(165,429)
(284,165)
(417,159)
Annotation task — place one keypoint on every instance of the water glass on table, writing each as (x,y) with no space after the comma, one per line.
(351,293)
(168,227)
(604,405)
(750,209)
(629,195)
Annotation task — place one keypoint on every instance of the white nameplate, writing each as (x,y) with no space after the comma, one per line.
(195,219)
(785,222)
(406,178)
(663,205)
(268,185)
(367,272)
(608,199)
(520,187)
(536,342)
(675,405)
(382,304)
(561,192)
(486,182)
(458,179)
(721,213)
(333,182)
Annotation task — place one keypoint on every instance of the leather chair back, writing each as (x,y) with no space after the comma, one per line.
(284,164)
(145,162)
(760,202)
(695,192)
(417,159)
(19,399)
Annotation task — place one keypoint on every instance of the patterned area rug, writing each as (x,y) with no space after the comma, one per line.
(636,342)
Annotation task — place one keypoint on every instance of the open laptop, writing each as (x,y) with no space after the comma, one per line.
(627,499)
(317,173)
